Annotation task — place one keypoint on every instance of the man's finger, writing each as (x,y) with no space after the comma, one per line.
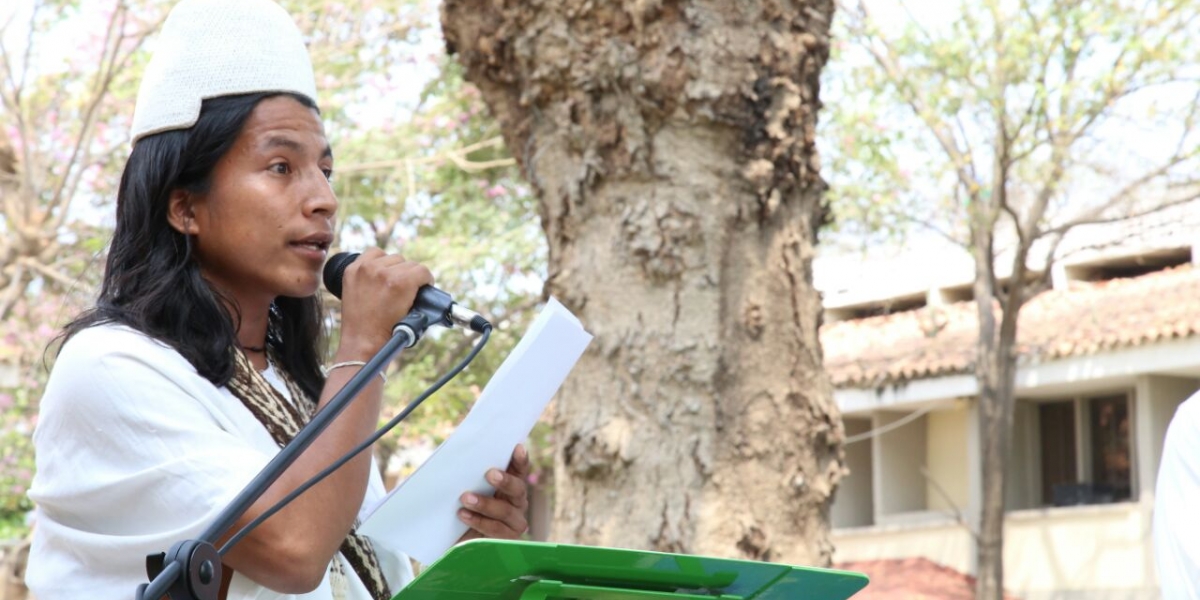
(495,508)
(519,464)
(509,486)
(510,528)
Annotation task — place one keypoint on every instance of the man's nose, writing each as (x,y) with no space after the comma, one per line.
(319,196)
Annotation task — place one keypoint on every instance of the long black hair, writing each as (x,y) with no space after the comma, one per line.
(151,282)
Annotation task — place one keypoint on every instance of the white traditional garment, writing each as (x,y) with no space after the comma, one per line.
(136,451)
(1177,506)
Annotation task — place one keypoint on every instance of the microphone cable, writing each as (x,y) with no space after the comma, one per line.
(382,431)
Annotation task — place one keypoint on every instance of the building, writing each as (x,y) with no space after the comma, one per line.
(1105,359)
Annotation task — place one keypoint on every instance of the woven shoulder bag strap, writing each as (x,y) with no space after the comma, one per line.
(283,420)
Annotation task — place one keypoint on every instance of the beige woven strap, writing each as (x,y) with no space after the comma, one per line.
(283,420)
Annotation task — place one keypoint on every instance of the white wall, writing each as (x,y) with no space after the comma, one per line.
(852,504)
(1093,552)
(947,487)
(947,544)
(898,456)
(1080,551)
(1157,398)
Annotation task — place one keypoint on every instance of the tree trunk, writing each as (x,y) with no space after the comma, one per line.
(995,373)
(671,146)
(996,427)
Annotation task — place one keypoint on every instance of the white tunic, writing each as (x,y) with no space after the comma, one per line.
(136,451)
(1177,506)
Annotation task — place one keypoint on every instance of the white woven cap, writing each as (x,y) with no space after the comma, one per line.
(211,48)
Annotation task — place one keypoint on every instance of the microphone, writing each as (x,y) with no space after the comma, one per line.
(436,306)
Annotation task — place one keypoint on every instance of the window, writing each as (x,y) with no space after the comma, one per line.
(1056,424)
(1129,266)
(1086,450)
(1111,459)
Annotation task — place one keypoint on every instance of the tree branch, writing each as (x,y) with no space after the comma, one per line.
(885,58)
(1189,123)
(458,157)
(1125,195)
(104,77)
(25,59)
(48,272)
(115,65)
(933,227)
(956,510)
(12,292)
(1096,220)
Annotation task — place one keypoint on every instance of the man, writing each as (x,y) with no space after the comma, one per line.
(202,356)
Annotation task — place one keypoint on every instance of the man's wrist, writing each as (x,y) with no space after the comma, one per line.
(356,348)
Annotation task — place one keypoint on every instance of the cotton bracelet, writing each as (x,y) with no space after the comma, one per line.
(352,363)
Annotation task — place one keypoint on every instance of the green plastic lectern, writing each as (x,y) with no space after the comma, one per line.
(515,570)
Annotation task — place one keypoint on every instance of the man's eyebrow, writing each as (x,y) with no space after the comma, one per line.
(279,141)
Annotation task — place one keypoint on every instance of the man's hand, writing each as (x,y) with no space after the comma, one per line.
(503,514)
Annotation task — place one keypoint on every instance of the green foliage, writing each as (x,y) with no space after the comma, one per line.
(475,229)
(24,339)
(16,452)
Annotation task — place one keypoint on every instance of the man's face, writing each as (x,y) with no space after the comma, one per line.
(264,226)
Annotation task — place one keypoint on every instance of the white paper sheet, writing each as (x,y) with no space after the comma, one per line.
(419,516)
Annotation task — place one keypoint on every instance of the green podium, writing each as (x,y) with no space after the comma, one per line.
(515,570)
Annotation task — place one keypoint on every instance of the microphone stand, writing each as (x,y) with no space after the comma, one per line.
(191,570)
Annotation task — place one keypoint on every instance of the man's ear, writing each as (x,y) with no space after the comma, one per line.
(181,213)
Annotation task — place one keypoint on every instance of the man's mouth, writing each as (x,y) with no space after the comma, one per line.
(319,246)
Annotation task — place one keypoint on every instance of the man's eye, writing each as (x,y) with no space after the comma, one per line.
(328,174)
(281,168)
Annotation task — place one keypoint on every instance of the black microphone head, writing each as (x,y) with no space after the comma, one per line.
(335,268)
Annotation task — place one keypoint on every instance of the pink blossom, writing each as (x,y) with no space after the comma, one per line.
(495,191)
(6,401)
(14,138)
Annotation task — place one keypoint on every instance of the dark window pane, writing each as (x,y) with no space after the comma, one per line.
(1057,429)
(1111,458)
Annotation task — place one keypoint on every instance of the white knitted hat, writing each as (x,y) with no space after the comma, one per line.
(211,48)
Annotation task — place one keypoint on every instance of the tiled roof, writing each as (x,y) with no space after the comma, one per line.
(911,579)
(1085,319)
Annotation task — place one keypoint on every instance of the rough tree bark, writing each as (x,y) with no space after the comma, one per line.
(671,145)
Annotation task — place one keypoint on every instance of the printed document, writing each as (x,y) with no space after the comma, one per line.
(419,517)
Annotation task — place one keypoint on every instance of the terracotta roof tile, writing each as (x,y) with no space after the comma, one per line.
(1085,319)
(911,579)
